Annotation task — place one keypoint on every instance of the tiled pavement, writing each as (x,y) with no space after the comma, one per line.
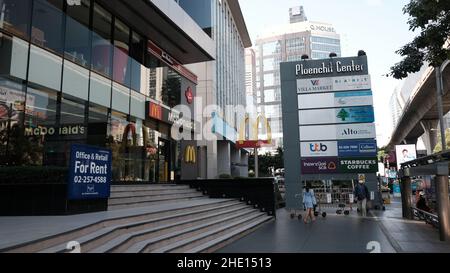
(348,234)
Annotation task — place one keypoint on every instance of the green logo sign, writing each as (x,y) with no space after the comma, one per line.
(343,115)
(358,165)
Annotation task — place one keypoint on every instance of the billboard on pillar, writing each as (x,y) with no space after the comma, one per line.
(405,153)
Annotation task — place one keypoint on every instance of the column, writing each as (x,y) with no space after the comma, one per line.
(405,186)
(443,208)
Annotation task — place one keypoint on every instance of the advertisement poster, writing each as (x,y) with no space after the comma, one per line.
(340,99)
(358,148)
(90,172)
(319,165)
(358,165)
(319,149)
(361,114)
(405,153)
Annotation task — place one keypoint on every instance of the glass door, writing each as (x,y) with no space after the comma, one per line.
(163,160)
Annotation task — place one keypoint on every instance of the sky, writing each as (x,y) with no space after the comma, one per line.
(379,27)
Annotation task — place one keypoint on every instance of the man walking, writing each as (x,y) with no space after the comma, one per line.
(362,194)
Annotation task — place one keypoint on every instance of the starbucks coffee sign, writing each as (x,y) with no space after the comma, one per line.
(358,165)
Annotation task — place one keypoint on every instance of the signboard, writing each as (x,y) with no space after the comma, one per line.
(405,153)
(358,165)
(330,100)
(337,132)
(334,84)
(89,173)
(361,114)
(319,149)
(336,67)
(319,165)
(358,148)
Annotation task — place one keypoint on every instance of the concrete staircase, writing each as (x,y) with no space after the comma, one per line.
(132,196)
(179,220)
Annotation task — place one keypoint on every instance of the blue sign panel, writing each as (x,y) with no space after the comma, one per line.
(355,114)
(90,173)
(357,148)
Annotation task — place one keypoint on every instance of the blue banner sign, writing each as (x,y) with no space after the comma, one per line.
(355,114)
(357,148)
(90,173)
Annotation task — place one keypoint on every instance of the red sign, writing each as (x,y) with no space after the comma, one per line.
(155,111)
(164,56)
(251,144)
(189,95)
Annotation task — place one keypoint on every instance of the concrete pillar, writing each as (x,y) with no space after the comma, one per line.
(235,158)
(430,138)
(212,169)
(406,189)
(443,207)
(244,164)
(223,158)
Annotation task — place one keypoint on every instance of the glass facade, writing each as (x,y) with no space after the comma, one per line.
(87,81)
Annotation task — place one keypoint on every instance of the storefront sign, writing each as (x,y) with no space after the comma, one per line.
(339,99)
(337,115)
(337,132)
(67,130)
(190,154)
(319,165)
(358,165)
(169,116)
(358,148)
(333,84)
(318,149)
(332,68)
(89,173)
(254,141)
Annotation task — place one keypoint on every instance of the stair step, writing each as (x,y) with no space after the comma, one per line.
(147,198)
(154,202)
(155,243)
(154,210)
(118,194)
(226,239)
(204,237)
(119,188)
(90,241)
(122,243)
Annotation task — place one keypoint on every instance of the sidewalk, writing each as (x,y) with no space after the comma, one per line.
(409,236)
(343,234)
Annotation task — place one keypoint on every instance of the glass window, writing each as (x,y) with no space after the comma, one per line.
(97,125)
(101,37)
(40,126)
(268,79)
(12,103)
(137,52)
(271,48)
(77,44)
(121,50)
(120,137)
(47,24)
(201,12)
(15,16)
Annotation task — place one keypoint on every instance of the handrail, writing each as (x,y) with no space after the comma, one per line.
(428,217)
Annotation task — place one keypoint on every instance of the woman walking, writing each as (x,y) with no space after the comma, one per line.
(309,201)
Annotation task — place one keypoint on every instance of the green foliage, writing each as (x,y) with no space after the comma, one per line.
(267,161)
(225,176)
(432,17)
(438,147)
(33,175)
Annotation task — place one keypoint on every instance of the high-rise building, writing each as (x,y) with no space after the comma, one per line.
(283,44)
(250,79)
(222,83)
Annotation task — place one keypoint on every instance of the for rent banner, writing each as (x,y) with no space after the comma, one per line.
(90,173)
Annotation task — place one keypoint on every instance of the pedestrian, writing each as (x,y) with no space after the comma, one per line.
(362,195)
(309,201)
(422,203)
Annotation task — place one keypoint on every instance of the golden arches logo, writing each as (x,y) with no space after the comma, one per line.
(190,155)
(256,142)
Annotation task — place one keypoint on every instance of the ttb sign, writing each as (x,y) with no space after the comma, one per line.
(90,173)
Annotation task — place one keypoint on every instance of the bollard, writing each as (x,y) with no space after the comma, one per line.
(443,208)
(406,197)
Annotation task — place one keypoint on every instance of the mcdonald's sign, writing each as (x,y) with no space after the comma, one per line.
(254,143)
(190,155)
(155,111)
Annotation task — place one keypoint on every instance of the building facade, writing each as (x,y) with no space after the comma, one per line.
(250,79)
(284,44)
(221,83)
(100,73)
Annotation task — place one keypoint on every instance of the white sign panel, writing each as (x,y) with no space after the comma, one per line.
(319,149)
(337,132)
(334,84)
(405,153)
(340,99)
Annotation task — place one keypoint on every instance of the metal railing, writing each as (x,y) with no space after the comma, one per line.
(422,215)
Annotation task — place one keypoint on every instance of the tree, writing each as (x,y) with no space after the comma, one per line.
(438,147)
(432,17)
